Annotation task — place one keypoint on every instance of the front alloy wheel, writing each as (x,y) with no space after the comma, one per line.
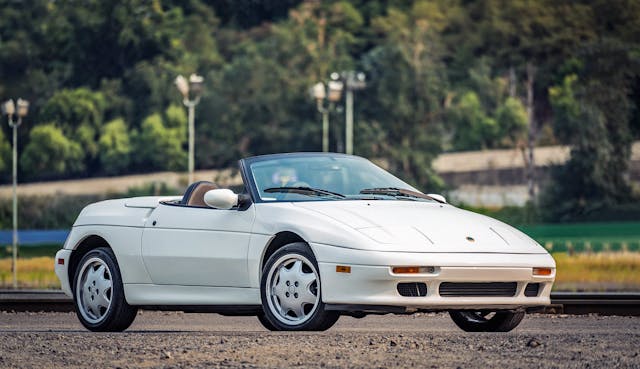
(98,293)
(290,290)
(94,290)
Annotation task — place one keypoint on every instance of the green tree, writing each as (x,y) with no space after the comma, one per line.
(5,154)
(408,85)
(258,102)
(176,117)
(512,122)
(591,179)
(593,113)
(50,154)
(115,147)
(473,128)
(527,40)
(75,107)
(81,64)
(79,113)
(159,147)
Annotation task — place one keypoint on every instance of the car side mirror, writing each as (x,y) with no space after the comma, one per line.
(438,197)
(221,198)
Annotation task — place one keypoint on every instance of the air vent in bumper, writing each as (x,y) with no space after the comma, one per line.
(412,289)
(532,290)
(472,289)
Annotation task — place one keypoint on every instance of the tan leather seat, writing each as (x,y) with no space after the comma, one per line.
(194,196)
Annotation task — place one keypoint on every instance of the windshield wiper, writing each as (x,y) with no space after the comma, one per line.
(305,191)
(397,192)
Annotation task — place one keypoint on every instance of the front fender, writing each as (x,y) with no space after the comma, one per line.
(125,243)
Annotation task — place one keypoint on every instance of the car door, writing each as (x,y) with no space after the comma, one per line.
(197,246)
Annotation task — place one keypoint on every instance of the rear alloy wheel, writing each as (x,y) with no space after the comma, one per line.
(487,321)
(98,293)
(290,291)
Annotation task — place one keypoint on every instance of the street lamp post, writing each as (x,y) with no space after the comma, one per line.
(195,86)
(9,108)
(353,81)
(319,93)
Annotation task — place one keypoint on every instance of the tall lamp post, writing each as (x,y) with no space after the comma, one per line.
(191,91)
(9,108)
(353,81)
(319,93)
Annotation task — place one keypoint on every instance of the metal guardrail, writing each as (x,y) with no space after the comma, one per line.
(609,303)
(605,303)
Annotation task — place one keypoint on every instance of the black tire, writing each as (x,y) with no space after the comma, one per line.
(480,321)
(312,316)
(265,322)
(118,314)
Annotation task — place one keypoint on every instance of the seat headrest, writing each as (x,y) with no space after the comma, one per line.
(194,195)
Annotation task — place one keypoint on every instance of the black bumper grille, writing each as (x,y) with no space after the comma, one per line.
(465,289)
(412,289)
(532,290)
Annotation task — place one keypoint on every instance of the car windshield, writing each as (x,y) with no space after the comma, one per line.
(325,177)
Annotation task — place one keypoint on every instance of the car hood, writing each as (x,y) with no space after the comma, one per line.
(415,226)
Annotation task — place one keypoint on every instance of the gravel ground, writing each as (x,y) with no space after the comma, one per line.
(174,340)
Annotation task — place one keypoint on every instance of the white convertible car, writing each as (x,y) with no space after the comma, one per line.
(312,236)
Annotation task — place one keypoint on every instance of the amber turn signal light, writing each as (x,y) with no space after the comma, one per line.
(406,270)
(343,269)
(414,270)
(542,271)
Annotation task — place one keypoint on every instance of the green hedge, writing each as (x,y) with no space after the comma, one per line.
(31,251)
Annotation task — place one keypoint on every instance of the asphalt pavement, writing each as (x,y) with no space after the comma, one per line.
(175,339)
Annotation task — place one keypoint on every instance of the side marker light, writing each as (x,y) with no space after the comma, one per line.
(343,269)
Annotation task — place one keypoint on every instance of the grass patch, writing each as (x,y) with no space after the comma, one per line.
(605,271)
(36,273)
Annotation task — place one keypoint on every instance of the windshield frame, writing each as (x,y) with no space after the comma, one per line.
(250,183)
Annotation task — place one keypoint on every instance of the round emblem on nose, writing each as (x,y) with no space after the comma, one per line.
(470,239)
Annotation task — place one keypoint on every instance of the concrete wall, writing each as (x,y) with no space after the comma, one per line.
(497,178)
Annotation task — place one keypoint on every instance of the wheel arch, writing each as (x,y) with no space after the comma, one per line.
(278,241)
(87,244)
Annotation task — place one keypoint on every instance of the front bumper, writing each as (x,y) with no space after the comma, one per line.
(62,270)
(371,281)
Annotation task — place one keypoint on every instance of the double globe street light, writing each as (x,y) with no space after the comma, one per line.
(9,108)
(332,93)
(349,81)
(191,91)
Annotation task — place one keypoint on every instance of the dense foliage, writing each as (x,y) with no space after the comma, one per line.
(442,75)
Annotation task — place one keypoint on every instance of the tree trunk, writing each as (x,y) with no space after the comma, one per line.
(512,82)
(532,134)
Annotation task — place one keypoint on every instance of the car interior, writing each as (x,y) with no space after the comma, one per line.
(194,195)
